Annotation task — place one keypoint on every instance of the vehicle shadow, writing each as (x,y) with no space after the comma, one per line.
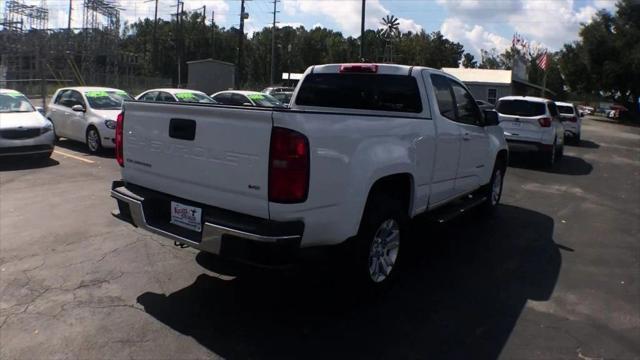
(25,163)
(82,148)
(461,291)
(568,165)
(587,144)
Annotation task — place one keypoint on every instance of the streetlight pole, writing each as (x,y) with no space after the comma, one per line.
(362,31)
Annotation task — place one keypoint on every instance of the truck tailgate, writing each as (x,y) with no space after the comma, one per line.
(213,155)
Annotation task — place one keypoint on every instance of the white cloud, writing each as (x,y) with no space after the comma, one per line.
(553,23)
(549,22)
(292,24)
(474,38)
(346,14)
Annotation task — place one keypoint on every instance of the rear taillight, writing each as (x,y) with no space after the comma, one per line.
(288,166)
(573,119)
(544,122)
(358,68)
(119,133)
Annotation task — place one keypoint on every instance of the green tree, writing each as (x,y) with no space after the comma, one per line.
(469,61)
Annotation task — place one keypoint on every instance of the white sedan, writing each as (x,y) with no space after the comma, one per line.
(175,95)
(23,130)
(87,114)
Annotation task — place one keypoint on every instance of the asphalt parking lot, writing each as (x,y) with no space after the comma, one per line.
(555,274)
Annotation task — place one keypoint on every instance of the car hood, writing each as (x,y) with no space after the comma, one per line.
(107,114)
(25,119)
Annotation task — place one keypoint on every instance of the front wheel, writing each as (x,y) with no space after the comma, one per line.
(378,243)
(93,140)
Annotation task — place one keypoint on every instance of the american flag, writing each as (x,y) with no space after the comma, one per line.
(543,61)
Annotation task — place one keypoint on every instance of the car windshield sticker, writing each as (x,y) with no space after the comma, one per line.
(256,97)
(12,93)
(96,94)
(185,96)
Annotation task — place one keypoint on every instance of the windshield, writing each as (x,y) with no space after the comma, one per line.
(265,100)
(521,108)
(106,99)
(194,97)
(12,102)
(567,110)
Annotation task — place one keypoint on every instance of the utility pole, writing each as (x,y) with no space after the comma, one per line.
(273,43)
(240,62)
(178,38)
(155,38)
(69,21)
(362,31)
(213,34)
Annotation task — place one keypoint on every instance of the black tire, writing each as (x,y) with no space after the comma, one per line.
(560,153)
(95,147)
(381,210)
(548,157)
(495,184)
(576,140)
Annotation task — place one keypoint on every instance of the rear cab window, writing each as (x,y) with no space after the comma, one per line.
(521,108)
(374,92)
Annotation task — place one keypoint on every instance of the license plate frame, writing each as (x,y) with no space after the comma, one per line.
(186,216)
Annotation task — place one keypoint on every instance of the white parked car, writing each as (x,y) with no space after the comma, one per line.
(175,95)
(532,124)
(87,114)
(571,120)
(363,148)
(23,129)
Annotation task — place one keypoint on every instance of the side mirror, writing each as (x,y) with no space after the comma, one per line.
(40,109)
(78,108)
(491,118)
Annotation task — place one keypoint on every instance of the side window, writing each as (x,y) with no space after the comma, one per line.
(239,100)
(224,98)
(150,96)
(166,97)
(70,98)
(58,98)
(467,109)
(492,95)
(76,98)
(553,110)
(444,96)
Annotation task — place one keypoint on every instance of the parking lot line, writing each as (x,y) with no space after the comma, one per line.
(74,157)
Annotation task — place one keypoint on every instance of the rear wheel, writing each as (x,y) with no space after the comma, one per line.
(93,140)
(377,245)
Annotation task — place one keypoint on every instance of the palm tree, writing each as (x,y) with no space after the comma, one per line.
(389,33)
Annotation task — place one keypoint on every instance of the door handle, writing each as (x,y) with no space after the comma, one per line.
(466,137)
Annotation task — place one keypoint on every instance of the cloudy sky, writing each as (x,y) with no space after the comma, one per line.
(477,24)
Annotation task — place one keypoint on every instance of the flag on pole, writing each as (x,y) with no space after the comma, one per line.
(543,61)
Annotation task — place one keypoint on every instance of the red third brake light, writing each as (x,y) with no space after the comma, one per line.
(288,166)
(119,142)
(359,68)
(544,122)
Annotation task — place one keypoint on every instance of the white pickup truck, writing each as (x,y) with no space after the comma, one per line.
(362,149)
